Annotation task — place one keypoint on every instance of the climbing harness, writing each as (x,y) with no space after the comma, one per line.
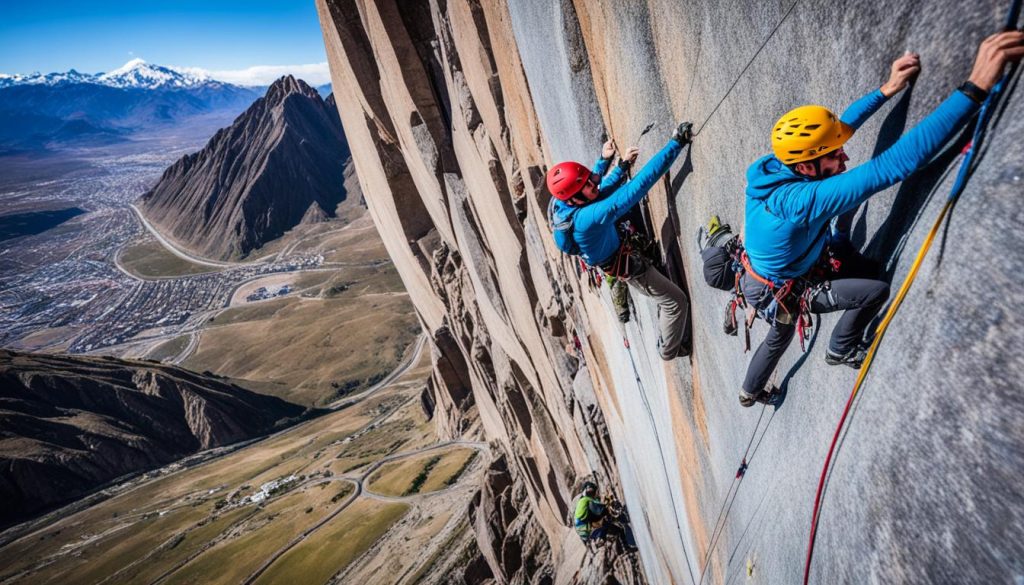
(799,290)
(958,187)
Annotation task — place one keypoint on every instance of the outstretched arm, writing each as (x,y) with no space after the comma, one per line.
(618,203)
(862,109)
(840,193)
(612,180)
(901,72)
(607,154)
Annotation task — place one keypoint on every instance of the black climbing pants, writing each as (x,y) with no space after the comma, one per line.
(853,289)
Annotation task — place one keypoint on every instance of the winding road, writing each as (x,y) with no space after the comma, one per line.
(184,255)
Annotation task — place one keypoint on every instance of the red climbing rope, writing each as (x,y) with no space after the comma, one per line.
(957,189)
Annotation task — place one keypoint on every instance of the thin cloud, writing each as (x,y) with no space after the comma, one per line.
(312,73)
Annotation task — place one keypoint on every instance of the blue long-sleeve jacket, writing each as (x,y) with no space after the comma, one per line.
(594,224)
(788,214)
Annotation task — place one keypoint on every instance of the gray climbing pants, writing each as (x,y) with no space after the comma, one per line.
(853,290)
(673,307)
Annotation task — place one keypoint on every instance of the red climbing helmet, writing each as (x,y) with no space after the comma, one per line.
(567,179)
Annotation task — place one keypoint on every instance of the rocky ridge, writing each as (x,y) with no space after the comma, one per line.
(281,161)
(454,109)
(70,424)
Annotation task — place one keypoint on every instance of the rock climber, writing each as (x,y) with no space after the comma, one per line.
(594,520)
(585,210)
(794,264)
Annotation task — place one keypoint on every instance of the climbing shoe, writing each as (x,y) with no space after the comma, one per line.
(685,348)
(683,134)
(714,235)
(854,358)
(767,396)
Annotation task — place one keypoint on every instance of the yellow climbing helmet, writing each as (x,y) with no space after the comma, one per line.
(808,132)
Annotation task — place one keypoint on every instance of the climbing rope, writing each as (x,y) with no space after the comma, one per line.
(958,187)
(730,495)
(657,438)
(747,66)
(661,453)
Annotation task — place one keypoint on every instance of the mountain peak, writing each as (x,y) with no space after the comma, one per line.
(138,73)
(240,191)
(287,85)
(133,64)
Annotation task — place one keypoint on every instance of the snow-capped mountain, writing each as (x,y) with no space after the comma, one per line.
(133,74)
(40,109)
(138,73)
(48,79)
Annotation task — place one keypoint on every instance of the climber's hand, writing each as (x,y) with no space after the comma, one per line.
(993,55)
(608,150)
(903,70)
(683,134)
(630,155)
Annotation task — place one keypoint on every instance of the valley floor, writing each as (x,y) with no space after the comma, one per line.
(361,489)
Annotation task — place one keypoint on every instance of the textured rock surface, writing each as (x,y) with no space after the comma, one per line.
(70,424)
(454,108)
(280,162)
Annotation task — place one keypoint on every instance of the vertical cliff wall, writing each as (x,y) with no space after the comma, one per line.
(453,110)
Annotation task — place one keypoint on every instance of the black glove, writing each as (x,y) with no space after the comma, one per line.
(625,164)
(683,134)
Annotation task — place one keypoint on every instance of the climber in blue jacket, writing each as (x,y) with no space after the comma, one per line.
(793,195)
(585,212)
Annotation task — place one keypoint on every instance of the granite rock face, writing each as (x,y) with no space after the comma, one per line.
(70,424)
(455,108)
(280,163)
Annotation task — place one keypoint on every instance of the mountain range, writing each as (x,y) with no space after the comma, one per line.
(36,109)
(70,424)
(280,163)
(133,74)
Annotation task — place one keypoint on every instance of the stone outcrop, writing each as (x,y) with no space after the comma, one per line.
(454,109)
(280,163)
(71,424)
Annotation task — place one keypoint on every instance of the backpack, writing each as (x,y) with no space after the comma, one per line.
(721,254)
(563,229)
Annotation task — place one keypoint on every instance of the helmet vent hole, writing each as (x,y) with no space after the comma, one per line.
(804,134)
(789,133)
(812,126)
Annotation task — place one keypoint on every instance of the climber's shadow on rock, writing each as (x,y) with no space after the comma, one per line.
(892,128)
(670,231)
(890,239)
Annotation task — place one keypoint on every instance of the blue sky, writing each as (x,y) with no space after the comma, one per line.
(215,35)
